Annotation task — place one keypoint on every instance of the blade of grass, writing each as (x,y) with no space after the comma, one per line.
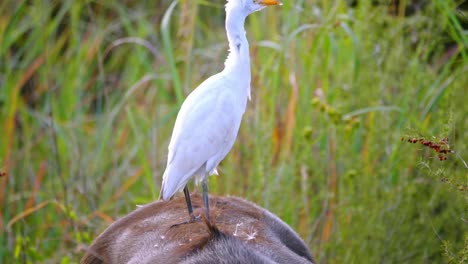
(37,185)
(169,51)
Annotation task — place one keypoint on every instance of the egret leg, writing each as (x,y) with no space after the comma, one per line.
(189,204)
(205,198)
(193,218)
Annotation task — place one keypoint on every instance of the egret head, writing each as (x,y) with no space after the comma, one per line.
(250,6)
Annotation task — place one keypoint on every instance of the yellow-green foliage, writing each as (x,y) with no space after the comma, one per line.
(89,92)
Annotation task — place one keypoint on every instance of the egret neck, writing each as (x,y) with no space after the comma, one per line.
(238,60)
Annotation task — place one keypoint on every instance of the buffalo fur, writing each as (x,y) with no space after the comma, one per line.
(240,232)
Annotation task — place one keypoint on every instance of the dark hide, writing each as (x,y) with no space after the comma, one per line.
(241,232)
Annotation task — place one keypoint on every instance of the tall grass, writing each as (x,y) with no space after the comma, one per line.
(89,93)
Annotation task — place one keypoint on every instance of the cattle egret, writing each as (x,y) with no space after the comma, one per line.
(209,119)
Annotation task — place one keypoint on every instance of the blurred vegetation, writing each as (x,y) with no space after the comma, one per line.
(89,92)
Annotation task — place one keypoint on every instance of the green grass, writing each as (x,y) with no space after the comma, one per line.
(89,92)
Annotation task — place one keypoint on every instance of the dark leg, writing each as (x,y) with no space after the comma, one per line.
(189,204)
(193,218)
(205,198)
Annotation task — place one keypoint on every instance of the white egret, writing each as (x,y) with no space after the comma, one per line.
(209,119)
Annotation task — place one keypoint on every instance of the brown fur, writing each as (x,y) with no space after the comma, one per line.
(241,232)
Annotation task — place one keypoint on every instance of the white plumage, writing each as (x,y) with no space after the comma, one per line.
(209,119)
(204,132)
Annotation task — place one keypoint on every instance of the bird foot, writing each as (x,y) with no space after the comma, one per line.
(192,219)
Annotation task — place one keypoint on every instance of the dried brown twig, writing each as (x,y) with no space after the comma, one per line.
(441,147)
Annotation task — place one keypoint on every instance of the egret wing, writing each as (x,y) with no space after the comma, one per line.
(204,132)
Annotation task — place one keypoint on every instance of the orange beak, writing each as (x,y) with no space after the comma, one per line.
(270,2)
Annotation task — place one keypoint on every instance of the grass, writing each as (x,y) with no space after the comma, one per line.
(89,93)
